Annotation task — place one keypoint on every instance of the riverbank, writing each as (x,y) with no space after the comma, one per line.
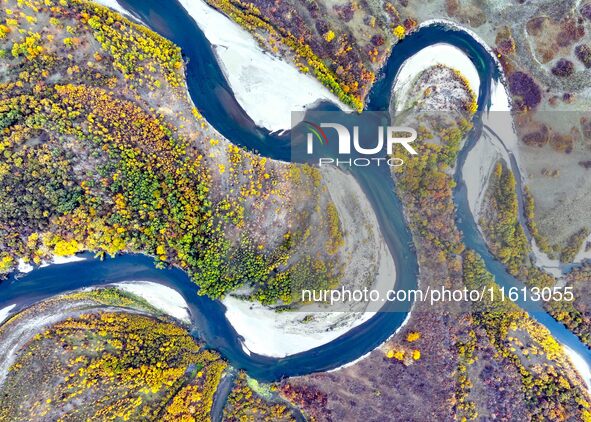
(5,312)
(266,87)
(279,334)
(585,251)
(116,7)
(343,350)
(436,54)
(25,267)
(161,297)
(580,365)
(499,141)
(67,334)
(23,329)
(268,333)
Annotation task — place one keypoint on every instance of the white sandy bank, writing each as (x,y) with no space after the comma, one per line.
(266,332)
(118,8)
(437,54)
(160,296)
(266,87)
(270,333)
(59,260)
(4,312)
(580,365)
(113,5)
(25,267)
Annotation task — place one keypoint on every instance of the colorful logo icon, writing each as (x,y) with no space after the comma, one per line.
(317,131)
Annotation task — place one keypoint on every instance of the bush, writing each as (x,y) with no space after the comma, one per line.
(583,53)
(586,11)
(563,68)
(523,86)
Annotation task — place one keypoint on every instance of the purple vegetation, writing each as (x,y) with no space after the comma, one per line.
(586,11)
(522,85)
(377,40)
(583,53)
(563,68)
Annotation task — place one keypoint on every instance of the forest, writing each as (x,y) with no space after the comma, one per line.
(95,159)
(129,363)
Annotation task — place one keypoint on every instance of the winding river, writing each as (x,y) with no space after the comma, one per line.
(214,98)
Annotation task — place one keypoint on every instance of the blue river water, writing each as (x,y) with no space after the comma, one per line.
(215,100)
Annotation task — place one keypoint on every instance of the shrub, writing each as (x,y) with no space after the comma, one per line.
(523,86)
(583,53)
(563,68)
(586,11)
